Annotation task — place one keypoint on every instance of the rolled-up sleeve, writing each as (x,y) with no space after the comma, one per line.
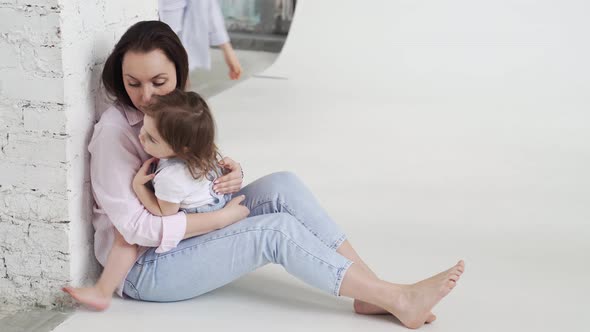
(217,32)
(113,164)
(171,12)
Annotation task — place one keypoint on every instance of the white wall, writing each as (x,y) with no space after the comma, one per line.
(51,58)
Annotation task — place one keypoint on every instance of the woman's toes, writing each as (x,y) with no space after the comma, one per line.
(431,318)
(453,274)
(451,284)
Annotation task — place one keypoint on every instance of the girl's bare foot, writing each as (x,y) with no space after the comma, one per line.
(91,297)
(413,306)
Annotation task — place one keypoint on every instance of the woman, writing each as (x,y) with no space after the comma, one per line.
(186,255)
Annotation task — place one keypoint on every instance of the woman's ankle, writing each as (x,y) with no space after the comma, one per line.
(388,295)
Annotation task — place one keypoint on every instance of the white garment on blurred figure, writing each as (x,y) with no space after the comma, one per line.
(199,24)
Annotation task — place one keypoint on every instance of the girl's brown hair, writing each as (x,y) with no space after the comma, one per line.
(185,122)
(144,36)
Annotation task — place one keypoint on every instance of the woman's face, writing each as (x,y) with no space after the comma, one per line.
(147,74)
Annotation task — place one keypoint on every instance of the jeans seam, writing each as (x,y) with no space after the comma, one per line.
(334,245)
(241,232)
(268,200)
(262,202)
(338,242)
(340,277)
(134,289)
(286,207)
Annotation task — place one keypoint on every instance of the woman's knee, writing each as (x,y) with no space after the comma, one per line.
(285,176)
(284,180)
(280,221)
(278,183)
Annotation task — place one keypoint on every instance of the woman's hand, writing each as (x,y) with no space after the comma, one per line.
(142,177)
(231,182)
(234,211)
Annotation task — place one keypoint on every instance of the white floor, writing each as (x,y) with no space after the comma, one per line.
(209,83)
(431,131)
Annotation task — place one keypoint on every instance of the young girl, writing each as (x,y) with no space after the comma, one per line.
(178,129)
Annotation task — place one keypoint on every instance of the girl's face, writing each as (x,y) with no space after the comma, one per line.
(147,74)
(151,140)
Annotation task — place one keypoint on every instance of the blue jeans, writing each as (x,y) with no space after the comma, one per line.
(286,226)
(219,202)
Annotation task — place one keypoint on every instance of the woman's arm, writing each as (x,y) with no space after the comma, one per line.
(202,223)
(168,208)
(218,37)
(231,59)
(217,32)
(197,224)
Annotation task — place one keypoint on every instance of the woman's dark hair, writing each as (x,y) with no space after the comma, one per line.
(144,36)
(185,122)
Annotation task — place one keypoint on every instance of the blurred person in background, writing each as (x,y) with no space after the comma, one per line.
(199,24)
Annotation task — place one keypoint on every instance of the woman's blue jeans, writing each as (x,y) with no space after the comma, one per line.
(286,226)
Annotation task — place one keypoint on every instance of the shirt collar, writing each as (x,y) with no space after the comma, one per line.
(133,115)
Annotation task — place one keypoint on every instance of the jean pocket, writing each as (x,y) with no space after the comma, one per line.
(130,290)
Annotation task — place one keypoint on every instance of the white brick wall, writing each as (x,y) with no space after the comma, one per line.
(51,58)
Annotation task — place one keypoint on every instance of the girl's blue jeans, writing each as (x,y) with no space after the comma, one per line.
(286,226)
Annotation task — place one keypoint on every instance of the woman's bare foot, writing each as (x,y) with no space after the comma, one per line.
(365,308)
(91,297)
(413,306)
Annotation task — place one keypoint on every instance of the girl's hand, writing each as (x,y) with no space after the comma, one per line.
(234,211)
(231,182)
(142,177)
